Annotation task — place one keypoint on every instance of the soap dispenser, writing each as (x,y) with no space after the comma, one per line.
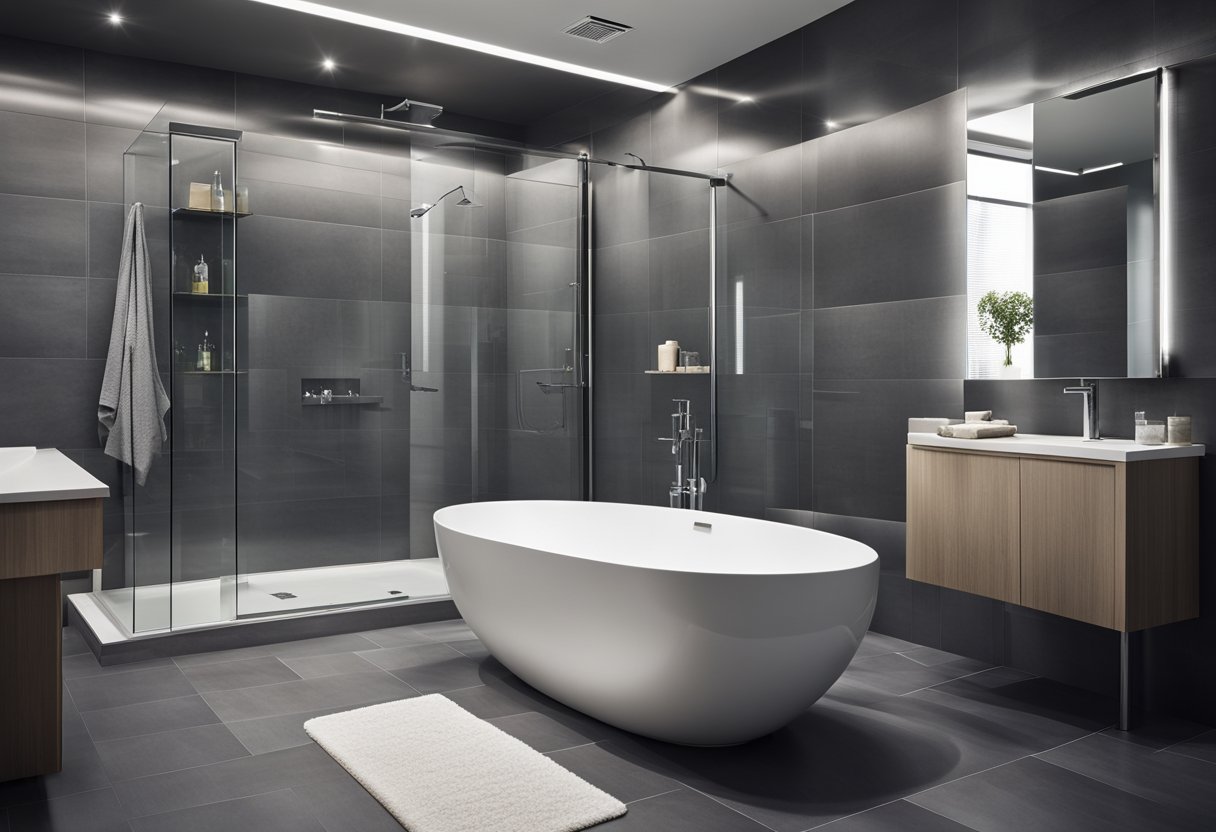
(203,364)
(199,283)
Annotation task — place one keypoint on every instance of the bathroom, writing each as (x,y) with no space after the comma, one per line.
(808,185)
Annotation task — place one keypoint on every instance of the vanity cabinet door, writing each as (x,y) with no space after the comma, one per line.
(1068,539)
(963,522)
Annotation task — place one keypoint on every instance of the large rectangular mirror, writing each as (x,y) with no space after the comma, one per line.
(1062,208)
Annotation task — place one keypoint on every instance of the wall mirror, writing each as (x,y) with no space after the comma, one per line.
(1062,205)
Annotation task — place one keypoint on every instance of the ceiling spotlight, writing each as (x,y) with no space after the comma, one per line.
(328,65)
(115,18)
(1103,167)
(831,125)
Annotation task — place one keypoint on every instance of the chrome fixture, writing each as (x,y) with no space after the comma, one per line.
(464,200)
(1089,425)
(416,112)
(641,161)
(407,376)
(688,490)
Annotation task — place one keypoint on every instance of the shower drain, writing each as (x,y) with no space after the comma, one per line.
(283,596)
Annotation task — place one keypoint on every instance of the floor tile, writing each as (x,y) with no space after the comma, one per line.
(311,667)
(488,702)
(900,816)
(543,733)
(342,805)
(148,718)
(218,656)
(92,811)
(451,630)
(396,636)
(1032,794)
(345,643)
(301,768)
(110,691)
(279,811)
(82,769)
(141,756)
(899,674)
(449,674)
(875,644)
(1159,731)
(246,673)
(409,655)
(471,647)
(623,779)
(349,690)
(274,733)
(682,810)
(1202,747)
(1170,779)
(84,664)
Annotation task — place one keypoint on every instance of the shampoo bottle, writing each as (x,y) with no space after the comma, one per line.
(667,356)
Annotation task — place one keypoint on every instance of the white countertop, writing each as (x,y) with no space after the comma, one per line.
(1109,450)
(28,476)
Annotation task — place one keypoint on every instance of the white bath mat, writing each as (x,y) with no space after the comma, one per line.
(438,768)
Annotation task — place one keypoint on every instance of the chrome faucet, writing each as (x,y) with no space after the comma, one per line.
(1089,426)
(688,489)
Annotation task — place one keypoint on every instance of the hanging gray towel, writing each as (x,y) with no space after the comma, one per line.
(133,402)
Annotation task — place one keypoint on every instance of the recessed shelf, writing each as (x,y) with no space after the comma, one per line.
(315,401)
(705,371)
(203,212)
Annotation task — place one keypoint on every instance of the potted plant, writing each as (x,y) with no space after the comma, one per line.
(1006,317)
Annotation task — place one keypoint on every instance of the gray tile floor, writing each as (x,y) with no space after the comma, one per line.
(910,738)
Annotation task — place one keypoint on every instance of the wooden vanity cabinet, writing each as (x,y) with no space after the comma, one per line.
(1110,543)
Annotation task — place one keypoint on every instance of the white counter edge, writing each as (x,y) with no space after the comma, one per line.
(49,475)
(1106,450)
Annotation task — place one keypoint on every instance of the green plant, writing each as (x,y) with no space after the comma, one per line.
(1006,317)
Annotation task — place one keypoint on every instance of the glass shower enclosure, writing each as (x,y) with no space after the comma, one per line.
(353,335)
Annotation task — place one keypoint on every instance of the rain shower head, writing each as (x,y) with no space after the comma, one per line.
(465,200)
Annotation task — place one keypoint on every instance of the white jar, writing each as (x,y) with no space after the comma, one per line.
(668,353)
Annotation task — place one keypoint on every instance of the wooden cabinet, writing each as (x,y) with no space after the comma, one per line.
(964,504)
(1110,543)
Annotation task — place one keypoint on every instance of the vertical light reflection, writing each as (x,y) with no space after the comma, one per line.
(739,326)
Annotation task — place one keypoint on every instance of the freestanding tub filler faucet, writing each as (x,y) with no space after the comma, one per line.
(1089,391)
(688,489)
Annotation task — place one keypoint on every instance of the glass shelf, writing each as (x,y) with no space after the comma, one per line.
(206,212)
(704,371)
(208,295)
(212,372)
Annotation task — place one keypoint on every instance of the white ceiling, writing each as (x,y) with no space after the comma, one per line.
(672,40)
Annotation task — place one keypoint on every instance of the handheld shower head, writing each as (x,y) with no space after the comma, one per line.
(465,200)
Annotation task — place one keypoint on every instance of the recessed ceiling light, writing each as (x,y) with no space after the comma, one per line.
(328,65)
(115,18)
(384,25)
(831,125)
(1103,167)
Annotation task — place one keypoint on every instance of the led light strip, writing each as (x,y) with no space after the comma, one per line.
(372,22)
(1164,215)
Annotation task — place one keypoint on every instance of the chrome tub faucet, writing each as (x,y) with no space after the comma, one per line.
(688,489)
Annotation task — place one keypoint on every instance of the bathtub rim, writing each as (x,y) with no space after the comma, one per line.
(863,555)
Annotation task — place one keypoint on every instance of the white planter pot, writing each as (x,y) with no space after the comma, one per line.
(1011,372)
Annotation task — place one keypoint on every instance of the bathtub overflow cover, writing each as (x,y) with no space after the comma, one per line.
(697,524)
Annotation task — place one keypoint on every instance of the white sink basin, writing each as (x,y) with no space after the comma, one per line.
(12,457)
(1074,447)
(29,475)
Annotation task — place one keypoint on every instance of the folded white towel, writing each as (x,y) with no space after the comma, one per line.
(976,430)
(977,415)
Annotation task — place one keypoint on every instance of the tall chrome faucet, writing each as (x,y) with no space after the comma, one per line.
(688,489)
(1089,427)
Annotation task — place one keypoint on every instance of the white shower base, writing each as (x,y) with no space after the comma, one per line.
(208,602)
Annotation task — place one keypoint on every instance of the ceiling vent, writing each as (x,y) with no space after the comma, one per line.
(596,29)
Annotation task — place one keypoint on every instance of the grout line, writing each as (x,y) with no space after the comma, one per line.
(1191,757)
(555,750)
(946,681)
(1180,742)
(652,797)
(726,805)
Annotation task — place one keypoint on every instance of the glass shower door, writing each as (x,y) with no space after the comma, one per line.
(495,372)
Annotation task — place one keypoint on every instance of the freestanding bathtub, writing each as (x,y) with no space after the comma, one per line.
(689,627)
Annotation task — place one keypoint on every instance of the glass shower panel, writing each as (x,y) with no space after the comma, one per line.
(135,590)
(495,367)
(205,299)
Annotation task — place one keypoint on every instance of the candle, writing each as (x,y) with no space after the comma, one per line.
(1179,430)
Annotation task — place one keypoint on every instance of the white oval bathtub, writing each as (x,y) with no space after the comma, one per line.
(645,619)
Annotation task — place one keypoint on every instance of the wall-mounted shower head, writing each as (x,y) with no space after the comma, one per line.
(465,200)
